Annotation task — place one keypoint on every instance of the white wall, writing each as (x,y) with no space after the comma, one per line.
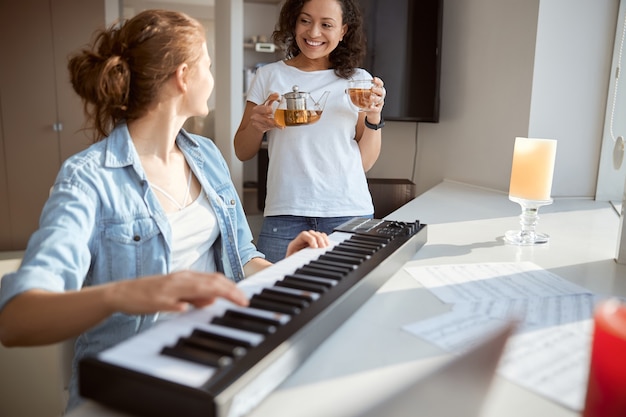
(611,176)
(228,64)
(494,88)
(571,79)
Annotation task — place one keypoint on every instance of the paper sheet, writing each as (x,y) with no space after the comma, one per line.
(549,354)
(492,281)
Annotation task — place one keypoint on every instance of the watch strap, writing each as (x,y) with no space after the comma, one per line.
(375,126)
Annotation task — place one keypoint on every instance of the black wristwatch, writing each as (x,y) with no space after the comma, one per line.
(373,126)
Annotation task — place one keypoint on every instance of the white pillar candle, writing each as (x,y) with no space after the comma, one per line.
(533,169)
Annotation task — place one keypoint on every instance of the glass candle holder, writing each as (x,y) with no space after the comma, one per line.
(527,235)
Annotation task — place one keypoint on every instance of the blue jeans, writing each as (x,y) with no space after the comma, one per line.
(278,231)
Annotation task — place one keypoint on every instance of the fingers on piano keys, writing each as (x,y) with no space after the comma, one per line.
(240,329)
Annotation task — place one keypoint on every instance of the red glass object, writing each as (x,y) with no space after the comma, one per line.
(606,390)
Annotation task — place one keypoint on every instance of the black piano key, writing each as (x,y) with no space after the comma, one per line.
(329,266)
(289,299)
(201,356)
(339,252)
(320,261)
(199,333)
(362,245)
(214,345)
(301,285)
(330,256)
(245,324)
(242,315)
(382,240)
(327,282)
(346,252)
(269,305)
(307,296)
(320,272)
(355,249)
(273,316)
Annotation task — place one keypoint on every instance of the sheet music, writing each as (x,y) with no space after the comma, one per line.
(552,361)
(492,281)
(549,354)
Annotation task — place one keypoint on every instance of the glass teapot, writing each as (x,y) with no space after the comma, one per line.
(297,108)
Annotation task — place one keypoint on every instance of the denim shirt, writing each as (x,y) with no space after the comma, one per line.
(102,223)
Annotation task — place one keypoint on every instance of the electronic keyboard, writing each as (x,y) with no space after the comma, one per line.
(222,360)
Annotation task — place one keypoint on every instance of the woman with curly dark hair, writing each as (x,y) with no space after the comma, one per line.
(348,54)
(316,174)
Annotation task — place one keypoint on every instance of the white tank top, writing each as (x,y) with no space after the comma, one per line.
(194,231)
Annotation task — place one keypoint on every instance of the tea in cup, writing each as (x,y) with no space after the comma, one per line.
(360,93)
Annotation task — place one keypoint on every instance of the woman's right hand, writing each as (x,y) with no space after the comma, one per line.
(256,120)
(262,117)
(172,292)
(38,317)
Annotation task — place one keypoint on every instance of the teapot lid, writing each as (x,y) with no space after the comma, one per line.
(296,93)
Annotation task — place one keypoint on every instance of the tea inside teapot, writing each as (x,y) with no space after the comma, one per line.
(288,117)
(298,108)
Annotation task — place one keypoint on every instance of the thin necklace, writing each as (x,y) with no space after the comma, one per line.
(172,199)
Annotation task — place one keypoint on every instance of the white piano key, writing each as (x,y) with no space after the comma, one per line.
(253,338)
(279,317)
(292,291)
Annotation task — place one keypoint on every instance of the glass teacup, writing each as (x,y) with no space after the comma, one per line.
(360,93)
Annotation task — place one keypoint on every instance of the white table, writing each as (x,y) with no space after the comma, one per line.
(370,353)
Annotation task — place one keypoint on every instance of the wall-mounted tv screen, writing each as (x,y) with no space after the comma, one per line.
(404,50)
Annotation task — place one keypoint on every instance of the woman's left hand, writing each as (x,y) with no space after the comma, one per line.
(378,97)
(307,239)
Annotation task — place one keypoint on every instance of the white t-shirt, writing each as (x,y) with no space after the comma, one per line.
(314,170)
